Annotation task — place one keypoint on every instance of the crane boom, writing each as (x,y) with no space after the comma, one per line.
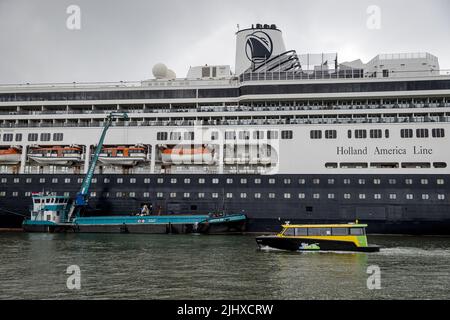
(82,196)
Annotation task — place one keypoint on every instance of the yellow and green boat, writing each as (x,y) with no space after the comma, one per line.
(319,237)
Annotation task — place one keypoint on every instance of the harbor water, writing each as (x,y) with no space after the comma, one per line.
(130,266)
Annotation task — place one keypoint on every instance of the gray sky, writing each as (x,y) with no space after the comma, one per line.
(122,40)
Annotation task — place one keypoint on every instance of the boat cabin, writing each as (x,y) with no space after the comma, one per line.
(49,208)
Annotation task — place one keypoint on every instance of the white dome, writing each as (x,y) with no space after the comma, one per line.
(159,71)
(171,75)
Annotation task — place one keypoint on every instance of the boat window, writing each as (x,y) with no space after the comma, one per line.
(319,231)
(356,231)
(289,232)
(339,231)
(301,231)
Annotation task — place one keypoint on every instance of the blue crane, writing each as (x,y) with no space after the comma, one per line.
(82,197)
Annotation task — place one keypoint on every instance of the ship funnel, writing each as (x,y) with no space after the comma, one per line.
(256,45)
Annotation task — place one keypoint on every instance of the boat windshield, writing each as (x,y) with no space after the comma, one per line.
(328,231)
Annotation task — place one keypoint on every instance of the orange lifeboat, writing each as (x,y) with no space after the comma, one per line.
(187,155)
(57,155)
(122,155)
(10,156)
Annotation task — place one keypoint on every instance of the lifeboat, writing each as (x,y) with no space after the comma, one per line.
(57,155)
(187,155)
(10,156)
(122,155)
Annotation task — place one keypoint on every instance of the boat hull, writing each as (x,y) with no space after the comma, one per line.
(306,244)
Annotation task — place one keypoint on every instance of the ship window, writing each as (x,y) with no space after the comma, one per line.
(229,180)
(106,180)
(376,181)
(330,134)
(119,194)
(243,181)
(215,195)
(346,181)
(257,181)
(362,181)
(408,181)
(173,180)
(316,195)
(316,181)
(146,194)
(417,165)
(243,195)
(215,180)
(45,136)
(160,180)
(257,195)
(229,195)
(159,195)
(425,196)
(272,195)
(356,231)
(309,209)
(161,136)
(287,181)
(301,196)
(189,135)
(440,181)
(375,133)
(331,196)
(386,133)
(93,194)
(301,231)
(377,196)
(15,193)
(41,180)
(339,231)
(441,196)
(28,180)
(16,180)
(201,195)
(27,194)
(315,134)
(58,136)
(18,137)
(360,134)
(353,165)
(438,133)
(287,195)
(392,196)
(175,136)
(319,231)
(94,180)
(424,181)
(409,196)
(132,180)
(286,134)
(422,133)
(214,135)
(187,181)
(406,133)
(362,195)
(32,137)
(439,164)
(80,180)
(392,181)
(272,134)
(289,232)
(201,181)
(54,180)
(331,165)
(301,181)
(349,134)
(244,135)
(330,181)
(119,180)
(147,180)
(8,137)
(347,196)
(186,195)
(173,194)
(271,181)
(258,135)
(230,135)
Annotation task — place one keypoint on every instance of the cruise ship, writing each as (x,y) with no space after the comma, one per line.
(285,137)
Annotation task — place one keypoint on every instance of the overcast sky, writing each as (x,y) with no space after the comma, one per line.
(122,40)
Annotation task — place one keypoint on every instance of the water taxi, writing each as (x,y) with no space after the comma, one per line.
(319,237)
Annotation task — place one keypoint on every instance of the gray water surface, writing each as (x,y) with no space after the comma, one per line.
(128,266)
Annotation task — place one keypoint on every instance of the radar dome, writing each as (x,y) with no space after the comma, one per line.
(171,75)
(159,71)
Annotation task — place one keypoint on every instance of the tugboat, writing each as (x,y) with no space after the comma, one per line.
(319,237)
(52,213)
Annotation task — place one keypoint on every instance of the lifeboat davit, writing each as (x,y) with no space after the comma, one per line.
(56,155)
(10,156)
(122,156)
(187,155)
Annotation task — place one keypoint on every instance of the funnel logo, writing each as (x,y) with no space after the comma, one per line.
(258,47)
